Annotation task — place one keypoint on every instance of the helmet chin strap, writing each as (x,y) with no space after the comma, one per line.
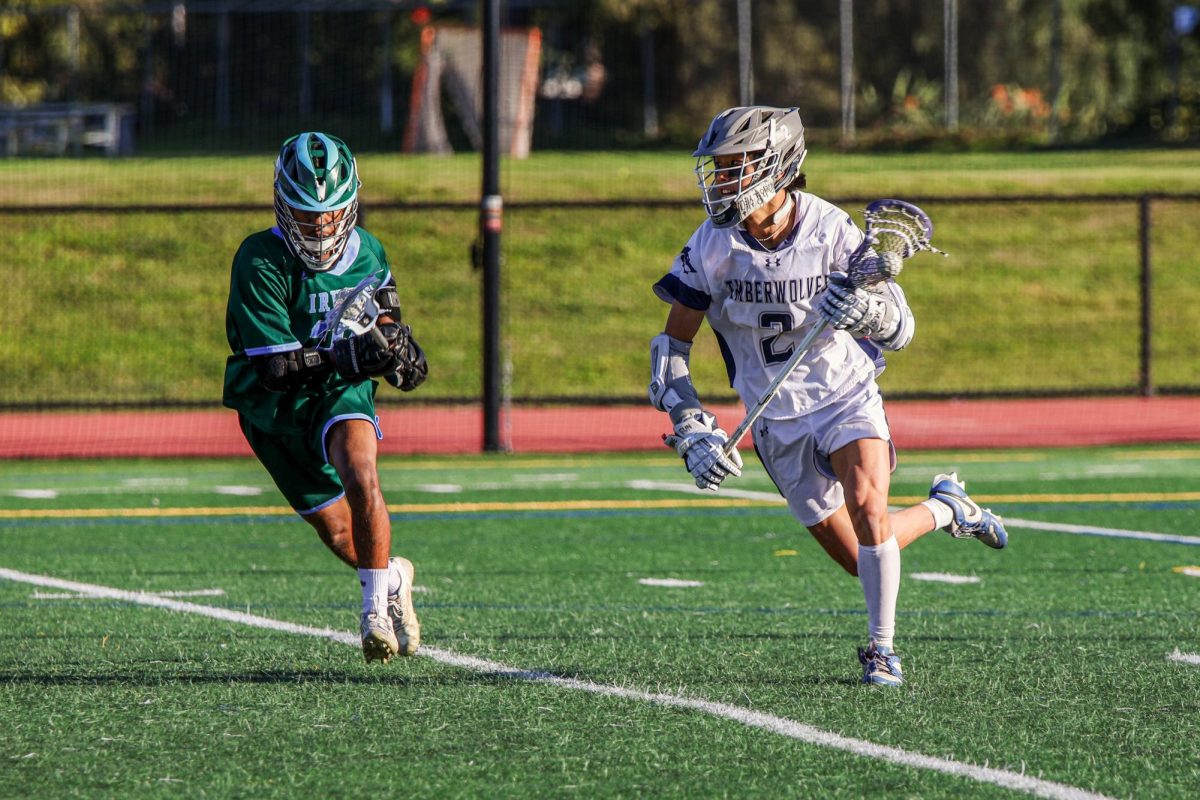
(781,215)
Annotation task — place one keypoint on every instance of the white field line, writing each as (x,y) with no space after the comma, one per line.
(439,488)
(943,577)
(179,593)
(1184,658)
(670,583)
(744,716)
(1092,530)
(1057,527)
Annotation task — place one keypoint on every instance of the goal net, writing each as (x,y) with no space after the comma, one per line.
(452,59)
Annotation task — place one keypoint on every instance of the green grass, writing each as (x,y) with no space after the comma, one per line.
(596,176)
(1054,665)
(131,307)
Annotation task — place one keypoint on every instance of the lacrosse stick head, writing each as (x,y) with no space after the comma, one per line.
(896,230)
(355,312)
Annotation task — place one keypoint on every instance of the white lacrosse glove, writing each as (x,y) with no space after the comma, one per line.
(702,448)
(859,312)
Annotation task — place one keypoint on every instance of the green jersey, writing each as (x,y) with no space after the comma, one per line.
(276,305)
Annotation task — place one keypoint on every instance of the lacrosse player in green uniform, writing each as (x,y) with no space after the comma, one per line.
(301,376)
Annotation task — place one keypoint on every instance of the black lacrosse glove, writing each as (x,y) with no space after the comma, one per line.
(411,368)
(368,355)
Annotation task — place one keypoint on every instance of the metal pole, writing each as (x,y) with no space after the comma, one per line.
(223,101)
(951,53)
(649,94)
(1056,23)
(745,48)
(146,92)
(386,111)
(304,33)
(490,221)
(73,47)
(1145,356)
(847,25)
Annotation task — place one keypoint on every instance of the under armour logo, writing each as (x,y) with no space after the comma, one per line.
(685,260)
(773,262)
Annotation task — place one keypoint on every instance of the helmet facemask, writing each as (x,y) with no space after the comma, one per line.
(316,198)
(770,143)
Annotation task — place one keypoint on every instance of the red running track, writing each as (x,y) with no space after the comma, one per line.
(939,425)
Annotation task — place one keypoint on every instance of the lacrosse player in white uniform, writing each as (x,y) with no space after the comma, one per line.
(768,265)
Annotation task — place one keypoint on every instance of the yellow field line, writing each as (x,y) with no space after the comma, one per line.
(571,505)
(407,508)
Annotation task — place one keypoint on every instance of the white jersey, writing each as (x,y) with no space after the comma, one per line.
(760,304)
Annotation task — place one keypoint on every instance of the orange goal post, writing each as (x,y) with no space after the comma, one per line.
(452,59)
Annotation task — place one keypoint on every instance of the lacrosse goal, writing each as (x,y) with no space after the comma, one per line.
(452,58)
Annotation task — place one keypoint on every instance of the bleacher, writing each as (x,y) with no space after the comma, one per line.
(67,129)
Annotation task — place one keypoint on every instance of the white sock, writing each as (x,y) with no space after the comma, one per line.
(374,589)
(943,515)
(879,574)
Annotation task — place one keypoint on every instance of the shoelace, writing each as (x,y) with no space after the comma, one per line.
(878,660)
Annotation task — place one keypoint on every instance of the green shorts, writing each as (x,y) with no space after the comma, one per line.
(299,463)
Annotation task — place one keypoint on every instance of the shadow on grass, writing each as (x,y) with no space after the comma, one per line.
(129,678)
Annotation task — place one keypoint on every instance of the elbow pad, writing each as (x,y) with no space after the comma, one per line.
(388,300)
(898,325)
(282,372)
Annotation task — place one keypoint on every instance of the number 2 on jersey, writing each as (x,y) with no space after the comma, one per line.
(781,323)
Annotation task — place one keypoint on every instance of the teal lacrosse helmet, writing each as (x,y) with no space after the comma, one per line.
(316,198)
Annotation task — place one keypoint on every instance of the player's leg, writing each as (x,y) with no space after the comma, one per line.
(351,447)
(387,581)
(848,514)
(836,533)
(863,467)
(335,528)
(298,465)
(333,524)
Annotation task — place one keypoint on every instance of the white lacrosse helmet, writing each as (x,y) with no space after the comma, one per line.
(771,143)
(315,174)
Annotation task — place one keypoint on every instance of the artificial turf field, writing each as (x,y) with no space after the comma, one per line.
(593,629)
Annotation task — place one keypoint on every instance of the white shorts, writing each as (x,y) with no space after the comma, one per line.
(796,451)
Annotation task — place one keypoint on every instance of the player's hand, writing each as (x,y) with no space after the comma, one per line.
(367,355)
(411,368)
(841,304)
(701,445)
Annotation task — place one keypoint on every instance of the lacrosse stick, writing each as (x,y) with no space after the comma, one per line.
(356,312)
(896,230)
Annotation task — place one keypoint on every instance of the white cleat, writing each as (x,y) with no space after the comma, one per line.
(405,626)
(970,519)
(378,639)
